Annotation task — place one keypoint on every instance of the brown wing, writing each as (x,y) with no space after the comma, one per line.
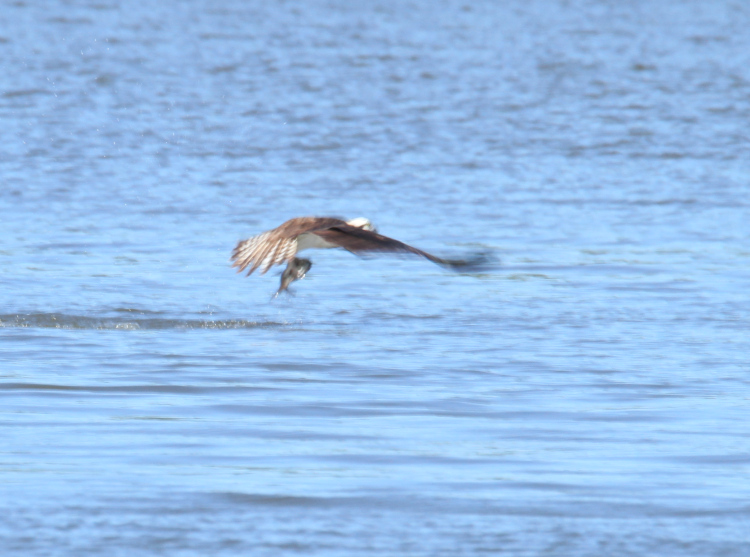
(360,241)
(264,251)
(276,246)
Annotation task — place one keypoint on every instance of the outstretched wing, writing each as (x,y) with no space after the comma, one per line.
(361,241)
(263,251)
(276,246)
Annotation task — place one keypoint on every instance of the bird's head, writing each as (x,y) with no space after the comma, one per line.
(363,223)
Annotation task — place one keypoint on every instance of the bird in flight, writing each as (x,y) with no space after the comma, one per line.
(282,244)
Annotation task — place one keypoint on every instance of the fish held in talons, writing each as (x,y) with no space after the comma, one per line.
(296,269)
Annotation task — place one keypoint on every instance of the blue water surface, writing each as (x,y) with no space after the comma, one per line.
(586,395)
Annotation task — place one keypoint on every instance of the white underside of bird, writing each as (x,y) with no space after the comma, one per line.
(312,241)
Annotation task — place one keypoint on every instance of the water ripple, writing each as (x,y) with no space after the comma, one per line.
(65,321)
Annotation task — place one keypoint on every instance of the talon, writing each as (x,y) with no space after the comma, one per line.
(295,270)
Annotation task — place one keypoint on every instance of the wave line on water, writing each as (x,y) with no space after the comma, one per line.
(65,321)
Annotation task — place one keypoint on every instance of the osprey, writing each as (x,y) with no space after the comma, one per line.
(282,244)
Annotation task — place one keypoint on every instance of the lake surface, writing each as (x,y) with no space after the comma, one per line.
(587,395)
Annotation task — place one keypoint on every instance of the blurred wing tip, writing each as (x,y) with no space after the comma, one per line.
(478,261)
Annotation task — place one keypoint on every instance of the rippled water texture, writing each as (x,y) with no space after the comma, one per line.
(587,395)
